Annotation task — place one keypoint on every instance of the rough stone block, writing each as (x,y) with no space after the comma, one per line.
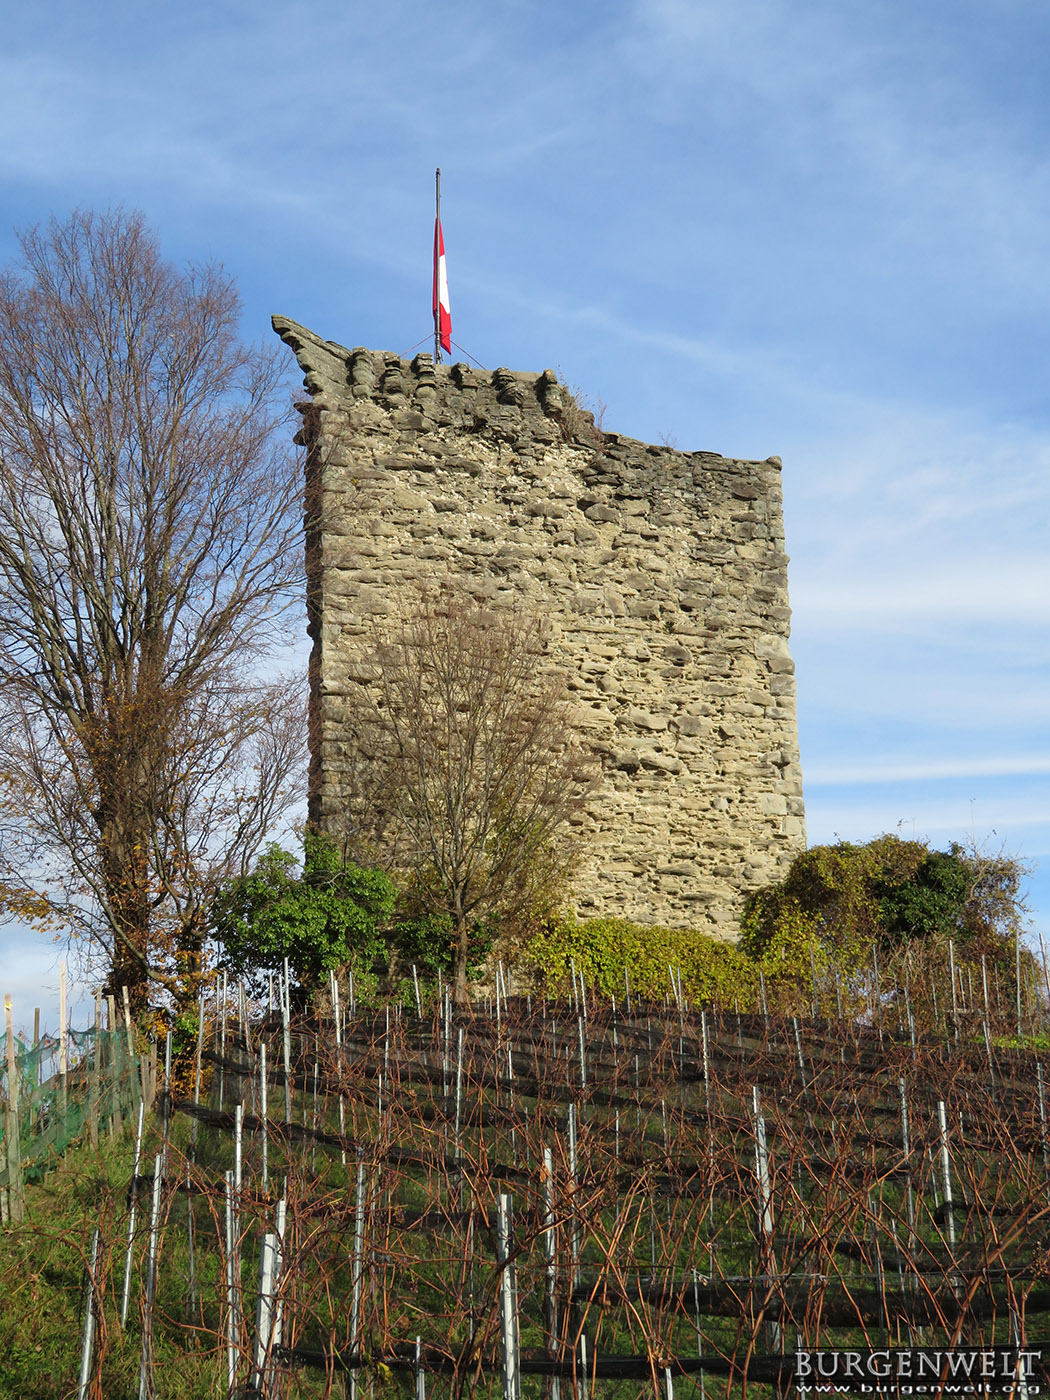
(663,576)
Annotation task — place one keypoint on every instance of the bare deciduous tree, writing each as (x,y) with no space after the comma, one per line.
(150,521)
(475,774)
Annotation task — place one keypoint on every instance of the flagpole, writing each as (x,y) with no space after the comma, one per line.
(437,226)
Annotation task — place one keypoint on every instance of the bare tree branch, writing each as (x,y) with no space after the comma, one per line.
(470,777)
(150,523)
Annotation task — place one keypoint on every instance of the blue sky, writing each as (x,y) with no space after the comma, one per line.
(771,226)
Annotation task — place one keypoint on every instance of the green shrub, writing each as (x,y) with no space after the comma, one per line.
(885,893)
(842,906)
(330,916)
(932,901)
(781,937)
(604,949)
(428,941)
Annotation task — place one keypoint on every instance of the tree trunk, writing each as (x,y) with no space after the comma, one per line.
(129,914)
(460,993)
(189,962)
(121,818)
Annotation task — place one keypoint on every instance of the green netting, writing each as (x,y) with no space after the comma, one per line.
(101,1085)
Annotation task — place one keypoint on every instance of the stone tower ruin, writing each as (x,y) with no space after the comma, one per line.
(662,574)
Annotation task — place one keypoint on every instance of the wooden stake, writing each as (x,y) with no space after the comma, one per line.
(707,1066)
(146,1354)
(128,1255)
(265,1312)
(264,1110)
(114,1065)
(87,1333)
(63,1059)
(286,1013)
(1042,1118)
(1017,962)
(16,1196)
(902,1089)
(508,1301)
(200,1051)
(574,1239)
(127,1020)
(946,1173)
(459,1088)
(357,1265)
(96,1066)
(816,1004)
(765,1213)
(233,1327)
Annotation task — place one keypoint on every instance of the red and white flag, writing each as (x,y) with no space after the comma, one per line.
(442,314)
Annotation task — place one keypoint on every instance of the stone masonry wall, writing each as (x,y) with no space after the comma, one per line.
(663,575)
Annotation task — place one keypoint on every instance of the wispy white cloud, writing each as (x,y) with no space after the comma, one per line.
(867,814)
(926,593)
(919,770)
(879,112)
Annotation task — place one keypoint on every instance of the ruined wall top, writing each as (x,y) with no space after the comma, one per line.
(514,405)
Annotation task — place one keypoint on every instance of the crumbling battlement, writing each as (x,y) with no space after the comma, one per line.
(662,574)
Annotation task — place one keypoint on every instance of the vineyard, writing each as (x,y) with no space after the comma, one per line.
(560,1198)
